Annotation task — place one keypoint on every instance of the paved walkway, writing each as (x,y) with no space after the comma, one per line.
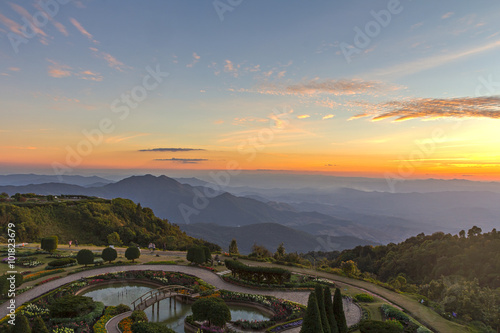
(353,313)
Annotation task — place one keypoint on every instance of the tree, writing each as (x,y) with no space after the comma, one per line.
(329,311)
(350,268)
(39,325)
(132,253)
(109,254)
(22,325)
(215,310)
(462,233)
(85,257)
(49,244)
(474,231)
(338,311)
(318,290)
(312,318)
(196,254)
(260,251)
(280,251)
(207,253)
(233,247)
(114,239)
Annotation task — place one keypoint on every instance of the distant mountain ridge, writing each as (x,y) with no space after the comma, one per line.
(29,179)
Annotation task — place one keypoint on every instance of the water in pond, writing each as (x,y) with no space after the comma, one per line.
(170,315)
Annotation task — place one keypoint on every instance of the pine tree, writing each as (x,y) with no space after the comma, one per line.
(39,326)
(329,311)
(312,319)
(22,325)
(338,311)
(318,290)
(233,247)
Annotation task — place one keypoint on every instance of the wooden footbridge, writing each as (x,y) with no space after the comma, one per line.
(156,295)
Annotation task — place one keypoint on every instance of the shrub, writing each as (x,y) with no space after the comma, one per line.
(364,298)
(22,325)
(49,244)
(121,308)
(61,262)
(261,274)
(109,254)
(71,306)
(215,310)
(132,253)
(196,254)
(139,315)
(5,283)
(85,257)
(373,326)
(391,312)
(39,325)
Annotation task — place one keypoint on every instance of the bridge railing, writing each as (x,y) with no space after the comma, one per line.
(172,290)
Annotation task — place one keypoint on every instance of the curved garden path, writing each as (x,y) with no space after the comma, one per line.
(353,313)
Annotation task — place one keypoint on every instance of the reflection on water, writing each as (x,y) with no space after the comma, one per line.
(172,316)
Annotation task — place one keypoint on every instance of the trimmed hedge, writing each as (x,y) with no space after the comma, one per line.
(259,274)
(88,318)
(373,326)
(364,298)
(61,262)
(391,312)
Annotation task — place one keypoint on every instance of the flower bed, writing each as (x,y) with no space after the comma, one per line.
(48,280)
(285,326)
(125,325)
(290,286)
(37,275)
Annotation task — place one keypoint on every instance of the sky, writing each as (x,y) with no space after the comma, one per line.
(400,89)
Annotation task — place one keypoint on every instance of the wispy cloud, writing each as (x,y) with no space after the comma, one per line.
(175,150)
(431,108)
(303,116)
(422,64)
(112,61)
(10,24)
(82,30)
(328,116)
(329,87)
(124,137)
(14,69)
(58,70)
(229,67)
(24,13)
(447,15)
(196,58)
(183,160)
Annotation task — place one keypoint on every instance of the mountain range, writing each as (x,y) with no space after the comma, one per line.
(309,218)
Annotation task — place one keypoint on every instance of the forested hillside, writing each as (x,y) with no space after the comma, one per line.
(422,259)
(91,220)
(457,275)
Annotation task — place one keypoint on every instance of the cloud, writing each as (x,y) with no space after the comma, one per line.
(423,64)
(12,25)
(432,108)
(229,67)
(120,138)
(328,116)
(196,58)
(183,160)
(14,69)
(82,30)
(59,70)
(330,87)
(303,116)
(112,61)
(24,13)
(175,150)
(447,15)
